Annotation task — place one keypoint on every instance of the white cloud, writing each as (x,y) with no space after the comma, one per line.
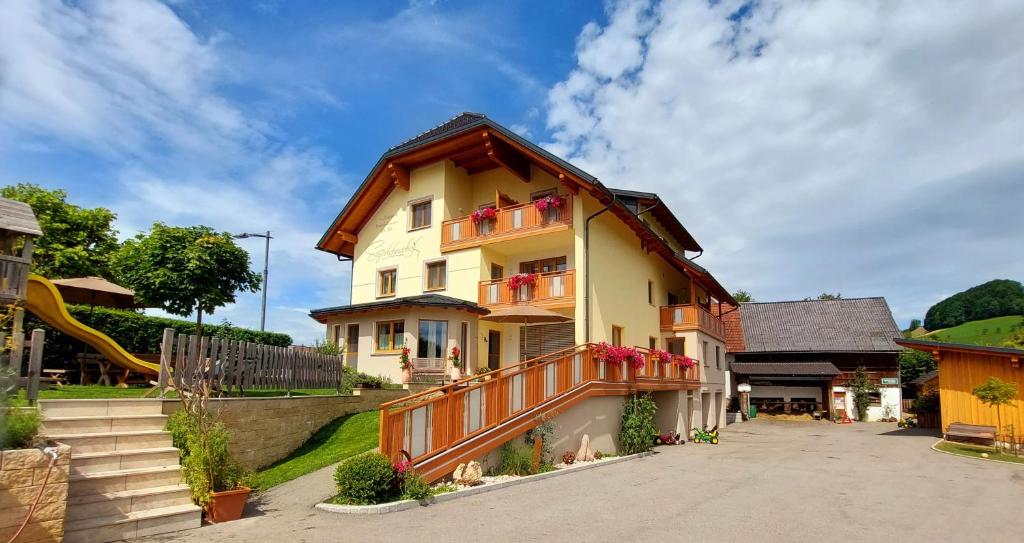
(868,147)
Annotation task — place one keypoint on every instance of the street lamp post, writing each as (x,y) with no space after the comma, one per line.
(266,266)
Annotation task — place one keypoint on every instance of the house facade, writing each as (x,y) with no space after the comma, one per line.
(799,356)
(469,221)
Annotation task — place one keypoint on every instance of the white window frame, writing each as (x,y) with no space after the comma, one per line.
(426,274)
(377,282)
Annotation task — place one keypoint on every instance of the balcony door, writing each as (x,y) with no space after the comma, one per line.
(493,349)
(554,286)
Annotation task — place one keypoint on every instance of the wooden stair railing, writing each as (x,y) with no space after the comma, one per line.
(435,422)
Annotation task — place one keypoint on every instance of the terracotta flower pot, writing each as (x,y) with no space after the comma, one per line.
(407,375)
(227,505)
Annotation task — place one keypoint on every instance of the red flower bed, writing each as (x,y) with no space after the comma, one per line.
(521,279)
(484,214)
(614,354)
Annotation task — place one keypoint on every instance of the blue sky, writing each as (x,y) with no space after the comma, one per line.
(808,146)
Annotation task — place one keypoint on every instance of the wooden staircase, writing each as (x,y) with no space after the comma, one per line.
(125,479)
(444,426)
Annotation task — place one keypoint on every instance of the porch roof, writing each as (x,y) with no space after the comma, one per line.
(786,369)
(423,300)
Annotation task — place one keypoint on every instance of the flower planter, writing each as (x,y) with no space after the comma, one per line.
(227,505)
(455,373)
(406,375)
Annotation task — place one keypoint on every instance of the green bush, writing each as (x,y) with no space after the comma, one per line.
(415,487)
(18,427)
(638,429)
(206,465)
(366,479)
(136,332)
(516,459)
(926,403)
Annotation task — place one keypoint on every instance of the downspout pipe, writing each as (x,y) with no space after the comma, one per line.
(586,257)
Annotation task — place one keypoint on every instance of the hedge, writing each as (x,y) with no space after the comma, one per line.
(136,332)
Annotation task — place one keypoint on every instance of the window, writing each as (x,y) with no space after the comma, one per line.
(437,275)
(420,212)
(463,338)
(718,357)
(497,272)
(390,336)
(352,339)
(543,265)
(706,363)
(653,343)
(336,334)
(617,336)
(386,280)
(432,340)
(875,399)
(650,292)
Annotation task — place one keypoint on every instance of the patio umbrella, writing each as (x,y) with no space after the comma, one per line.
(95,291)
(524,314)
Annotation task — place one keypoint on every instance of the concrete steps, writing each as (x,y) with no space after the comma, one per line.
(125,478)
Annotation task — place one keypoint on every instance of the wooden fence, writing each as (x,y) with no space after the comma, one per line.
(11,371)
(238,365)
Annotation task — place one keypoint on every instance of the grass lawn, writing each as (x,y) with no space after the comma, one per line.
(992,332)
(97,392)
(342,438)
(975,451)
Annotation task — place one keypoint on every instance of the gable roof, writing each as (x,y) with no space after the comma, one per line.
(652,204)
(845,325)
(925,377)
(422,300)
(17,217)
(469,131)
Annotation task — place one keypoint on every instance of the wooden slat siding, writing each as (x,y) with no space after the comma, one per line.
(198,372)
(179,360)
(961,372)
(212,368)
(229,360)
(166,358)
(250,365)
(35,366)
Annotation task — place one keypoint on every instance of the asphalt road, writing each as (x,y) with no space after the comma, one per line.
(766,481)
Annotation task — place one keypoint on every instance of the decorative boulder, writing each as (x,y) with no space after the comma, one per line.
(468,474)
(585,454)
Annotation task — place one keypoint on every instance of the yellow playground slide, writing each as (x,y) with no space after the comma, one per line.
(45,301)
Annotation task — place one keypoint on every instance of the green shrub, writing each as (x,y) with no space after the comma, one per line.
(638,429)
(206,464)
(516,459)
(136,332)
(546,432)
(926,403)
(18,427)
(414,487)
(366,479)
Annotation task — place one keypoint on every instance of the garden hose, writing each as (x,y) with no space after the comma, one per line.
(52,452)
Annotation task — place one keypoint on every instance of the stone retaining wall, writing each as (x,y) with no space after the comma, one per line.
(21,475)
(264,430)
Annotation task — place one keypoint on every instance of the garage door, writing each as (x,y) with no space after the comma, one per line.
(540,339)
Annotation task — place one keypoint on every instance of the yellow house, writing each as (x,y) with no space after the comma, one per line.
(447,220)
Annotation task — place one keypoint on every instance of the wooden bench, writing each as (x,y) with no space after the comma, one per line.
(973,433)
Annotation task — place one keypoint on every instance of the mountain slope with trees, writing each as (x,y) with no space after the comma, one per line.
(997,298)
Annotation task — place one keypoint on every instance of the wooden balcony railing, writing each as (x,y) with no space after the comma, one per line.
(552,289)
(509,223)
(425,425)
(679,318)
(875,377)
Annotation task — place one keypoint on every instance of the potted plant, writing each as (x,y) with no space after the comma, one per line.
(406,365)
(457,363)
(213,476)
(552,202)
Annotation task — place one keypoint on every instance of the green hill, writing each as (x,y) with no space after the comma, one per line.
(992,332)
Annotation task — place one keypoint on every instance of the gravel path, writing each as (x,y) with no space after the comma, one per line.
(766,481)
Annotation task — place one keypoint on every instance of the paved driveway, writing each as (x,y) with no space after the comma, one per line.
(766,481)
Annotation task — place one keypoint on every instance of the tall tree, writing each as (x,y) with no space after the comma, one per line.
(742,296)
(826,296)
(185,269)
(76,241)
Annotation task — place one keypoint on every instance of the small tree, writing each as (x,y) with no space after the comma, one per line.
(996,393)
(185,269)
(826,296)
(862,388)
(742,296)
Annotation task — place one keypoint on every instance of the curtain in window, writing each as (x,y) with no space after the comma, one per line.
(433,338)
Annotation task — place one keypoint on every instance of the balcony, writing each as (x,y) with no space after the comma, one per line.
(686,317)
(509,222)
(551,290)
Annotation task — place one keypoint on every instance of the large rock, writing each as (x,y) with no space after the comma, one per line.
(468,474)
(585,454)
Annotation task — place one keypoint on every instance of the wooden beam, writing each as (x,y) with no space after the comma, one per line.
(399,176)
(507,157)
(569,184)
(347,236)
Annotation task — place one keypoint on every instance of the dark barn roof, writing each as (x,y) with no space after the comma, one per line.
(423,300)
(786,369)
(924,378)
(845,325)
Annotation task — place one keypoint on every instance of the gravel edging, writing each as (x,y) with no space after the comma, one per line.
(936,449)
(392,507)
